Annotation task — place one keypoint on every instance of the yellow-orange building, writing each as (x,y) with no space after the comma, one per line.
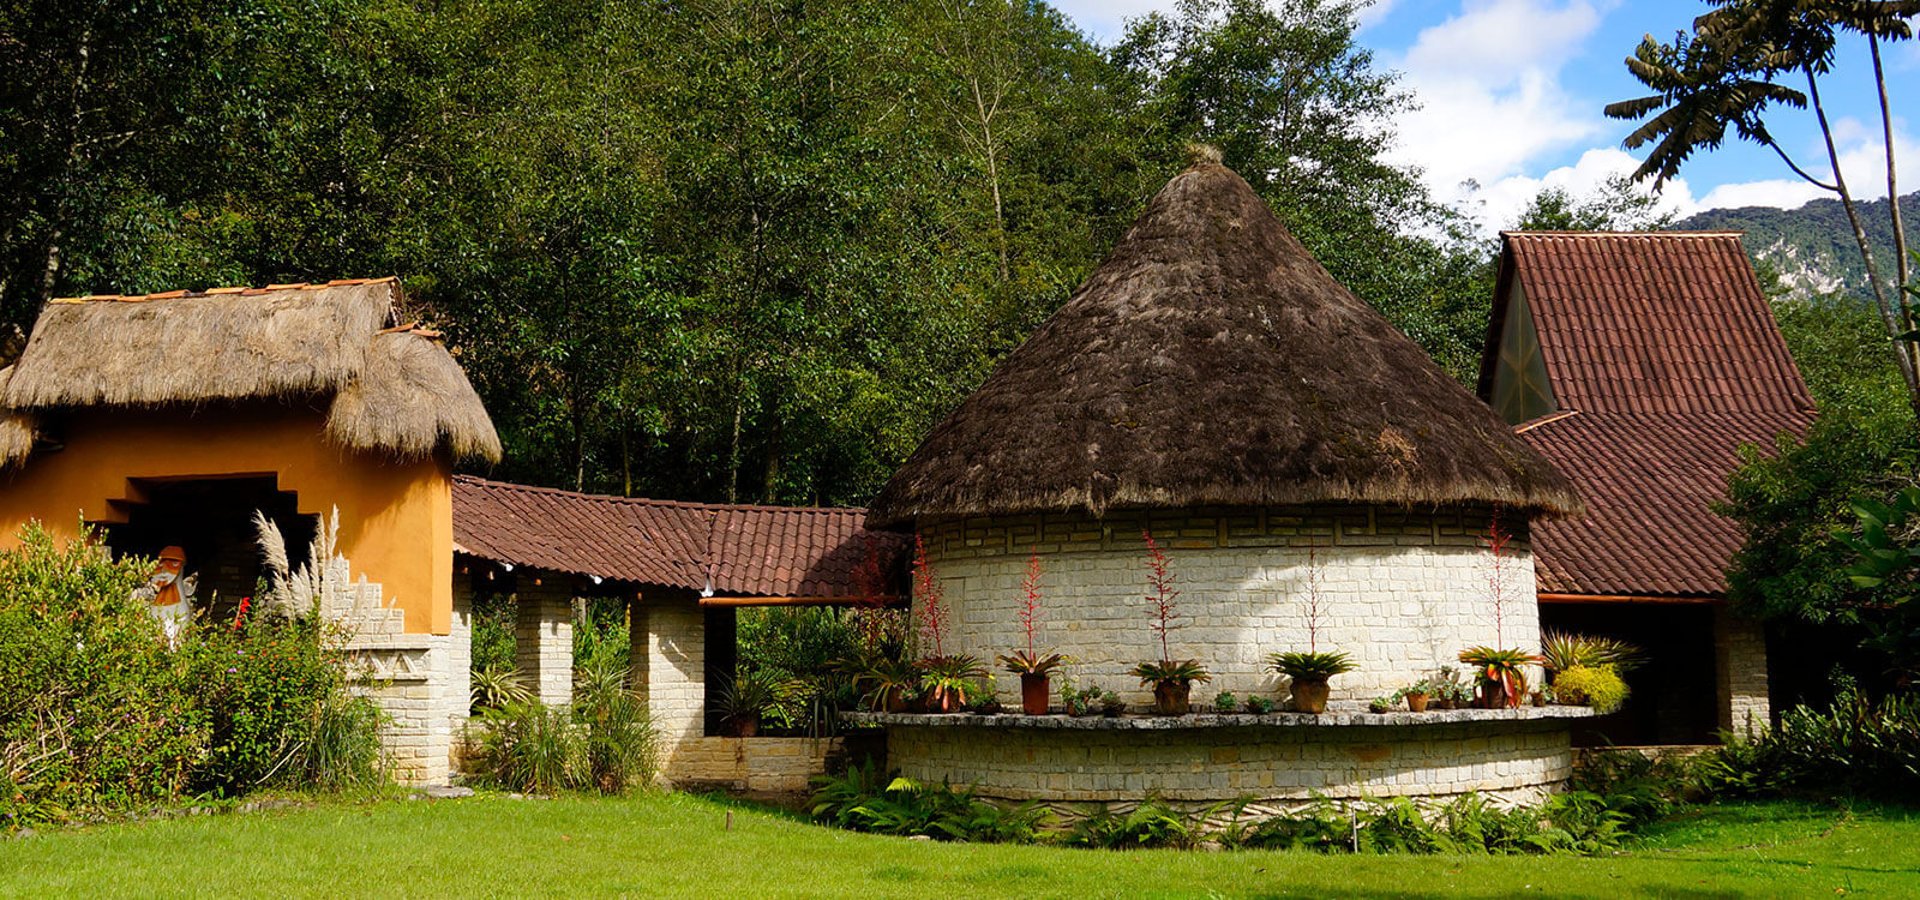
(168,419)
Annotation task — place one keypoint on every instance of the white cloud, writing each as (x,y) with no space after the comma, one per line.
(1374,13)
(1488,80)
(1499,204)
(1862,158)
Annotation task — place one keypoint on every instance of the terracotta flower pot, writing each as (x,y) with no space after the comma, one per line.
(746,726)
(944,702)
(1309,696)
(1172,698)
(1034,691)
(1417,702)
(895,700)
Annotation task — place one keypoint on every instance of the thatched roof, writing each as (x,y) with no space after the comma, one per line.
(392,389)
(1210,360)
(16,428)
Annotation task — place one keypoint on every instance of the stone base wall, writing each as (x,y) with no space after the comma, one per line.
(1279,768)
(411,676)
(773,765)
(1402,591)
(1740,650)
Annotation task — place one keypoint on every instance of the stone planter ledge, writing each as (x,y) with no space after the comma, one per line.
(1330,719)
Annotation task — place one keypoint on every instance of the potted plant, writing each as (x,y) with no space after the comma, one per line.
(1172,682)
(886,682)
(1309,673)
(949,681)
(1111,705)
(1450,691)
(1380,706)
(1501,673)
(1417,695)
(1259,706)
(742,701)
(1225,702)
(1076,702)
(1033,667)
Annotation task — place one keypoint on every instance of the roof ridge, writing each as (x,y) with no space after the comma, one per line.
(651,501)
(1689,233)
(235,290)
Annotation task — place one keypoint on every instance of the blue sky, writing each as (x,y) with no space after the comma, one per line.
(1511,92)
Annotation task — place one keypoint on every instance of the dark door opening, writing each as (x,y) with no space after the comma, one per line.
(1674,697)
(212,520)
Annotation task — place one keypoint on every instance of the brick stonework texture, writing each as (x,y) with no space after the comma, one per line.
(772,765)
(1740,649)
(411,677)
(1401,591)
(543,638)
(1275,766)
(670,656)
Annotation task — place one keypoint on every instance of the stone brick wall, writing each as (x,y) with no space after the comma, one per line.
(543,637)
(411,677)
(1277,767)
(1740,650)
(1402,591)
(769,765)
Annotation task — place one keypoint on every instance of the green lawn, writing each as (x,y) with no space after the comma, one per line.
(678,845)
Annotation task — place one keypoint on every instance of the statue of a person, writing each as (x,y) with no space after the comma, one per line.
(169,595)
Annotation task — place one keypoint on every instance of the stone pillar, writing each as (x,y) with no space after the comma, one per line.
(669,668)
(543,638)
(409,675)
(460,655)
(1740,651)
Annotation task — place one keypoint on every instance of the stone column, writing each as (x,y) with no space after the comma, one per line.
(1740,651)
(543,638)
(669,668)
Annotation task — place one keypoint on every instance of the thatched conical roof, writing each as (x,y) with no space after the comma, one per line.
(1210,360)
(390,388)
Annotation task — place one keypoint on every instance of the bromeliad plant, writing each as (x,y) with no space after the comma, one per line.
(1172,680)
(1502,674)
(1308,673)
(951,682)
(1033,667)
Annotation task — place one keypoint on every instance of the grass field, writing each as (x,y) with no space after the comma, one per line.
(680,845)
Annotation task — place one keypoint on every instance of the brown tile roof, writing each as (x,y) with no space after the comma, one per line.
(758,551)
(1664,359)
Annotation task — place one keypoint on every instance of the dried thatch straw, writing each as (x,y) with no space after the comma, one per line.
(410,397)
(16,428)
(393,391)
(1210,360)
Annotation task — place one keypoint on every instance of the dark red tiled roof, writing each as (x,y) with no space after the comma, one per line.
(1664,359)
(758,551)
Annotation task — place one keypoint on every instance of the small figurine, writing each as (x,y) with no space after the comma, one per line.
(170,596)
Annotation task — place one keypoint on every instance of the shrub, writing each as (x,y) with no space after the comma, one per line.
(1600,687)
(864,799)
(97,716)
(1151,824)
(604,741)
(1860,746)
(493,639)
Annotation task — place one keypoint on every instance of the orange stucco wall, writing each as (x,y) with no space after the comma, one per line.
(396,519)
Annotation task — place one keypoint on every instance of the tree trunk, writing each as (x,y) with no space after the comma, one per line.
(1903,351)
(733,456)
(771,488)
(1900,260)
(992,152)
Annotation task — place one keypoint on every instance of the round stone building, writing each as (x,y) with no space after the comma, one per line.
(1292,451)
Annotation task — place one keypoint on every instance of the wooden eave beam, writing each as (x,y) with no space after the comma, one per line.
(1692,599)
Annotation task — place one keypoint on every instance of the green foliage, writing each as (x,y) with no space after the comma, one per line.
(1858,746)
(96,715)
(1887,546)
(1600,687)
(1616,206)
(1225,701)
(954,675)
(1172,671)
(494,688)
(603,741)
(1303,666)
(865,799)
(1150,824)
(1562,650)
(1021,662)
(813,656)
(745,697)
(493,639)
(1259,706)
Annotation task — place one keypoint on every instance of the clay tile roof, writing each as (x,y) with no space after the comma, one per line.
(740,550)
(1664,359)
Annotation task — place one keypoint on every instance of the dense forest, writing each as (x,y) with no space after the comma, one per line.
(1811,247)
(715,249)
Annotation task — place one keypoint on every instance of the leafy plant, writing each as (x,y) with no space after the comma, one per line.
(1599,687)
(1562,650)
(953,677)
(745,697)
(1502,670)
(494,688)
(529,747)
(1309,665)
(1179,672)
(1380,705)
(1151,824)
(1112,704)
(1225,701)
(1023,662)
(881,676)
(1259,706)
